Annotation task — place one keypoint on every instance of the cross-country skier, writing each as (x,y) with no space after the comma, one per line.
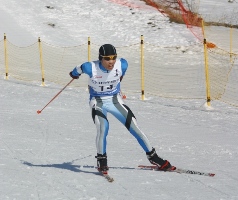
(105,76)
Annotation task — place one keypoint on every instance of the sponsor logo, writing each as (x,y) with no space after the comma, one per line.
(97,76)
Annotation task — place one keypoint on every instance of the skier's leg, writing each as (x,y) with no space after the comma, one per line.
(99,115)
(127,118)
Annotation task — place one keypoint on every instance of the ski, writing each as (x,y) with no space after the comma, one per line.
(107,176)
(104,174)
(178,170)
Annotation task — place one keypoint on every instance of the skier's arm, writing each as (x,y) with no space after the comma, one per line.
(124,66)
(80,69)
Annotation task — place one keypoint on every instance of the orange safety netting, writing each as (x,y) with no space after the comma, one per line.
(177,12)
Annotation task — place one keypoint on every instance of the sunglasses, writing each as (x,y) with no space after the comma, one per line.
(112,57)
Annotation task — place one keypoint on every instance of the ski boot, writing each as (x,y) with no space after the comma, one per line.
(102,163)
(156,160)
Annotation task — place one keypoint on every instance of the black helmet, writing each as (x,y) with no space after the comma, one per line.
(106,50)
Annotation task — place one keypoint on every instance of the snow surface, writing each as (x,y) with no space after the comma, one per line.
(51,156)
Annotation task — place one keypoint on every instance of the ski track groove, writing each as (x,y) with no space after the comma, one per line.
(214,190)
(42,152)
(9,150)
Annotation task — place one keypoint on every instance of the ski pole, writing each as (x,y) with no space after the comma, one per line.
(39,111)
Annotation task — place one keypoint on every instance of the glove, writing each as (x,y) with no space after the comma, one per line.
(74,77)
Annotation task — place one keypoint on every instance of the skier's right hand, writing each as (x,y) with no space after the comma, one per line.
(73,76)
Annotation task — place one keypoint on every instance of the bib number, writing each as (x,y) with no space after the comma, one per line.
(106,88)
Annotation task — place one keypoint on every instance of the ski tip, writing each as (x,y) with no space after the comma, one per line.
(172,168)
(211,174)
(110,180)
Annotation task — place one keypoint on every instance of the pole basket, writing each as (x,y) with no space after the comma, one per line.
(211,45)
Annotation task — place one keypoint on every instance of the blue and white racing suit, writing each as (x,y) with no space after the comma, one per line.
(104,89)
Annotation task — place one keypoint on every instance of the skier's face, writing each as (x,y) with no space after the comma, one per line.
(108,61)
